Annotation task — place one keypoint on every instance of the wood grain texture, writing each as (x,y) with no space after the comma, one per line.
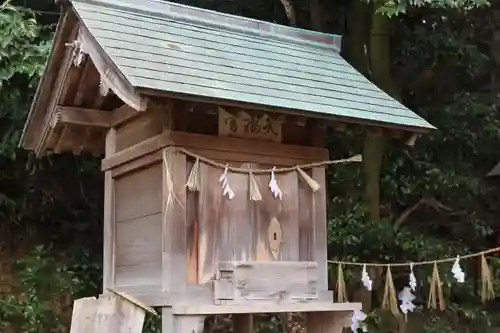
(192,232)
(324,322)
(320,227)
(245,151)
(84,117)
(286,211)
(139,163)
(138,229)
(137,130)
(109,218)
(35,122)
(110,74)
(265,307)
(174,270)
(306,222)
(109,313)
(243,323)
(139,275)
(59,89)
(138,241)
(123,114)
(189,324)
(181,324)
(84,310)
(139,193)
(279,281)
(226,230)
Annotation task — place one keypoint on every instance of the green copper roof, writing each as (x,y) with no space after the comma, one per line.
(180,49)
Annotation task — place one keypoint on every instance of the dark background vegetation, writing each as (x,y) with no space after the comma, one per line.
(440,58)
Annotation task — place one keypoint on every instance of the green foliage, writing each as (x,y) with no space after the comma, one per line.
(397,7)
(20,49)
(23,49)
(442,61)
(47,283)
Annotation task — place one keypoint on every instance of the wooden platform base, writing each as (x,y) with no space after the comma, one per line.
(263,307)
(321,317)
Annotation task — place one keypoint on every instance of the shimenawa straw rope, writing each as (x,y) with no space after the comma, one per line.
(415,263)
(357,158)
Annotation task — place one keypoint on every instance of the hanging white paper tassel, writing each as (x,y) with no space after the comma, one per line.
(413,279)
(458,274)
(357,321)
(406,297)
(273,185)
(104,84)
(226,189)
(365,278)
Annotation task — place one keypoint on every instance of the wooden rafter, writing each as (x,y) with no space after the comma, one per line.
(111,78)
(60,90)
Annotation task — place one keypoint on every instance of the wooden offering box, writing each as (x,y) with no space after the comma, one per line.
(211,127)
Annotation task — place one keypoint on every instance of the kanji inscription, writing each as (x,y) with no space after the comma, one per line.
(244,125)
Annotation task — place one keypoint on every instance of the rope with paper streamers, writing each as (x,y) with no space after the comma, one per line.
(194,178)
(406,297)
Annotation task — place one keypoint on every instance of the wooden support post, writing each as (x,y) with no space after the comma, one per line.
(243,323)
(174,272)
(188,324)
(319,229)
(167,320)
(171,323)
(327,322)
(109,218)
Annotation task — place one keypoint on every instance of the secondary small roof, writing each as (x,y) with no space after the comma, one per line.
(164,46)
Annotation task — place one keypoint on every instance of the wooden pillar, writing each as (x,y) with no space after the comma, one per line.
(171,323)
(167,320)
(320,230)
(327,322)
(243,323)
(174,270)
(109,216)
(317,135)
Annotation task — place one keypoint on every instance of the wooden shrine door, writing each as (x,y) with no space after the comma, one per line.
(290,229)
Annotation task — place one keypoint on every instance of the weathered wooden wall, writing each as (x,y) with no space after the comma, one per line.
(138,206)
(158,249)
(237,229)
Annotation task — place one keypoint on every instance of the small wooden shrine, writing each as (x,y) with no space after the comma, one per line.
(210,126)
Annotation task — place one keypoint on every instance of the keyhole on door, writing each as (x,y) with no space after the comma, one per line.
(274,235)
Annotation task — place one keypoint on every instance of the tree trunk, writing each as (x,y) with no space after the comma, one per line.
(380,66)
(380,55)
(316,15)
(373,153)
(290,12)
(356,37)
(355,50)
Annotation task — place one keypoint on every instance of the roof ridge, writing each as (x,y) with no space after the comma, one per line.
(214,19)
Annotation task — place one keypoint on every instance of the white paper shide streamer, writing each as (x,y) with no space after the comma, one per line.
(365,278)
(458,274)
(406,298)
(226,189)
(413,279)
(357,321)
(273,185)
